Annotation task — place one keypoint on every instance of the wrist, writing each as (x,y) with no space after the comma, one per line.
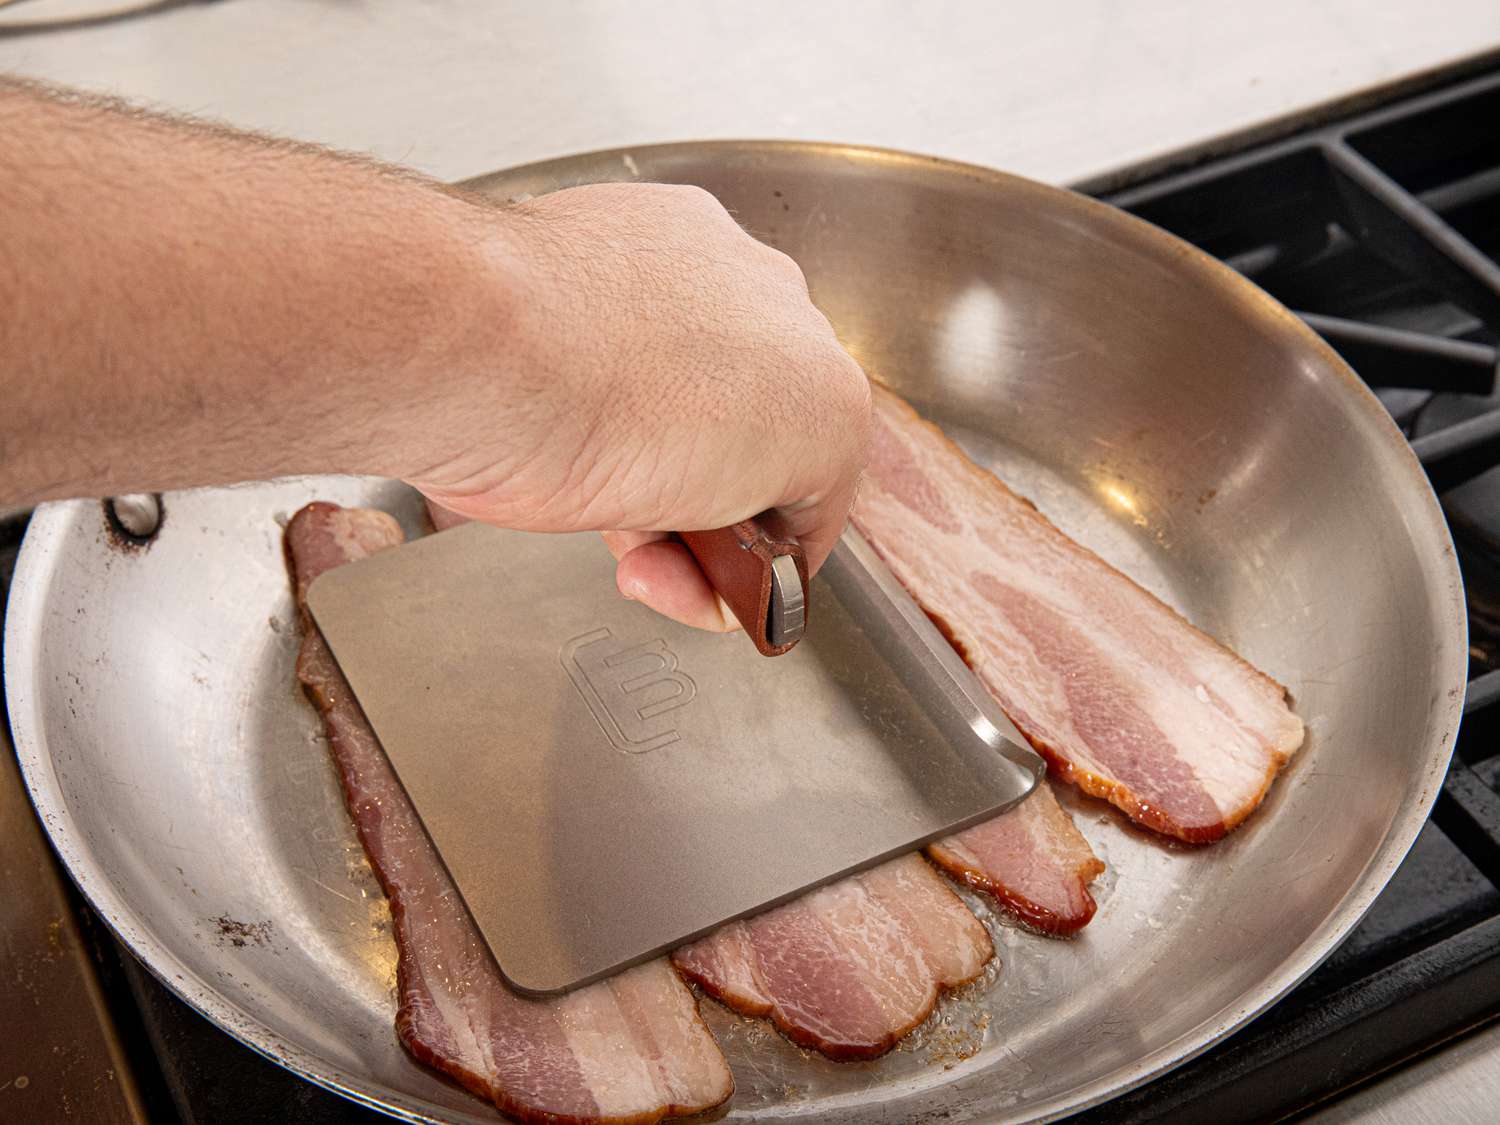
(458,337)
(525,393)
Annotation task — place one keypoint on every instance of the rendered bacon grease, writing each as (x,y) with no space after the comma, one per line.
(630,1049)
(1123,697)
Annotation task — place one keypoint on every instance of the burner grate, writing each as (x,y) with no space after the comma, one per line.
(1381,231)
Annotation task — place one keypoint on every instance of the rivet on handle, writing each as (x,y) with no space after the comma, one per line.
(137,515)
(786,614)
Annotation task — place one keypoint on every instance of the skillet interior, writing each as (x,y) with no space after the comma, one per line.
(1157,407)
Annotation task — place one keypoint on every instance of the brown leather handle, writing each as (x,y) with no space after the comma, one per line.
(738,562)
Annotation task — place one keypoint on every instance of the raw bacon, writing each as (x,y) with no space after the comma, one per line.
(630,1049)
(1123,697)
(851,968)
(1032,859)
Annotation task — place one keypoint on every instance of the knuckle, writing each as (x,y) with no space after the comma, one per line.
(857,383)
(787,265)
(845,400)
(694,196)
(856,395)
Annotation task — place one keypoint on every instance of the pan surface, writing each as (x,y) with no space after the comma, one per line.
(1160,409)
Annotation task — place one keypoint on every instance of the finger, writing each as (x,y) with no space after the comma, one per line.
(818,524)
(664,575)
(621,543)
(443,518)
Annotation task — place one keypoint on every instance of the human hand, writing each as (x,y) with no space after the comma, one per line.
(620,358)
(662,371)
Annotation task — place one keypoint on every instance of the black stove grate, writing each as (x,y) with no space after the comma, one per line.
(1383,232)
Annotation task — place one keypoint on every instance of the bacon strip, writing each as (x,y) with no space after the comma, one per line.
(1033,859)
(848,969)
(1124,698)
(628,1050)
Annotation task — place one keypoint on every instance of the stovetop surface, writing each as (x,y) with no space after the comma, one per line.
(1383,231)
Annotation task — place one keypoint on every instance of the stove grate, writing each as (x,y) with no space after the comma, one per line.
(1383,232)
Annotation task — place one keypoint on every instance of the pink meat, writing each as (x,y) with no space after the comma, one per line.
(1123,697)
(630,1049)
(851,968)
(1032,859)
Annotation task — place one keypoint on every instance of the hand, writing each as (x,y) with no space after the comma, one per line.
(664,371)
(620,358)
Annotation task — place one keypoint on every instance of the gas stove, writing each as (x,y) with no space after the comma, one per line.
(1382,231)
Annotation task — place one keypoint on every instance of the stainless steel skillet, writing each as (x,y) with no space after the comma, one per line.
(1159,408)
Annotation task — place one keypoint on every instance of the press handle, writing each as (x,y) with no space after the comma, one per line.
(761,577)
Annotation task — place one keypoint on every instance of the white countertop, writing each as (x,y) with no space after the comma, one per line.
(1453,1086)
(1059,91)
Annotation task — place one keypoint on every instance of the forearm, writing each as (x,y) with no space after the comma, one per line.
(184,305)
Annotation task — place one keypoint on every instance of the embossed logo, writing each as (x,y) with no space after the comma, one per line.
(631,690)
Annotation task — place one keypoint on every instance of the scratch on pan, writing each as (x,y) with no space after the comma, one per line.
(630,165)
(319,882)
